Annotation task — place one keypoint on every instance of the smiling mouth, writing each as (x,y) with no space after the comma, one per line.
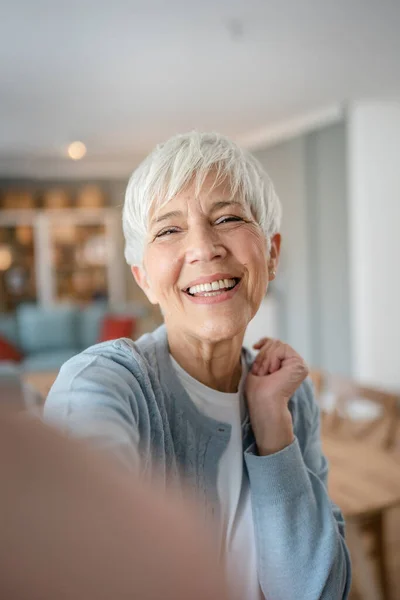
(214,288)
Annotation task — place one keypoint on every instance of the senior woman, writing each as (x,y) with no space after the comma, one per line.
(201,224)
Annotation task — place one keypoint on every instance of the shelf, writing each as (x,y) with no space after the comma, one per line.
(52,279)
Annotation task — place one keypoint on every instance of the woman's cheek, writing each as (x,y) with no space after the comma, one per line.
(167,271)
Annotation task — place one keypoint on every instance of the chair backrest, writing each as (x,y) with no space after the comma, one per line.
(318,379)
(363,412)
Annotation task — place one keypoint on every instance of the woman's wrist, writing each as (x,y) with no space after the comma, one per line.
(275,434)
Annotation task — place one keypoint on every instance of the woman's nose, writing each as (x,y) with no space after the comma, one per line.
(204,245)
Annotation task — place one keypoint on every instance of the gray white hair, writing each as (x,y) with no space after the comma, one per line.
(189,157)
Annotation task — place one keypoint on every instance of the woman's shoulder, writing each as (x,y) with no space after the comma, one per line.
(122,355)
(110,394)
(122,371)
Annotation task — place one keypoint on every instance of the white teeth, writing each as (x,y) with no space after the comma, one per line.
(203,288)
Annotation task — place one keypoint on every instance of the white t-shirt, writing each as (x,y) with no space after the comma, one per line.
(237,537)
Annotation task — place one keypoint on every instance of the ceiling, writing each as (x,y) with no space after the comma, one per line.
(124,75)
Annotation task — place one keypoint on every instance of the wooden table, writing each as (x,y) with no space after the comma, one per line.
(362,478)
(364,482)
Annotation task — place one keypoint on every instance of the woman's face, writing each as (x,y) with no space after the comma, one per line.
(206,264)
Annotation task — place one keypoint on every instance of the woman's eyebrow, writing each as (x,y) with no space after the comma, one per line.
(177,213)
(224,203)
(172,213)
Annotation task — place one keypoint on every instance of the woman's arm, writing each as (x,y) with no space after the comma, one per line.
(300,533)
(95,398)
(73,526)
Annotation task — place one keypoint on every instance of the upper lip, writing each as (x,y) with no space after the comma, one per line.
(210,279)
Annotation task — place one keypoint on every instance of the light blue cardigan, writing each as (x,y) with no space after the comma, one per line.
(126,397)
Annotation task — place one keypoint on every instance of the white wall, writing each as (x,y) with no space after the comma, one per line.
(265,322)
(374,200)
(285,163)
(312,286)
(329,248)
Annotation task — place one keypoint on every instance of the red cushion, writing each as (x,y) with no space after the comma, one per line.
(8,351)
(116,326)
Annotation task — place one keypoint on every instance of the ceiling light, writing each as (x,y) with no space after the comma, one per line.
(76,150)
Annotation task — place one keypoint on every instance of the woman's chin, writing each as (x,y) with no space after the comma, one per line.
(214,331)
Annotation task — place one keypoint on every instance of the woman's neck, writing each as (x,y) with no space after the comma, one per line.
(216,365)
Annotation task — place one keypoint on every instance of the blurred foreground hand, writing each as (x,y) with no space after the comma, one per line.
(74,528)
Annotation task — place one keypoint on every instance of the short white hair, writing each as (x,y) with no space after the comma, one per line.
(189,157)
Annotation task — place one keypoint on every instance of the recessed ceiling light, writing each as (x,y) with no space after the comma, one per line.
(76,150)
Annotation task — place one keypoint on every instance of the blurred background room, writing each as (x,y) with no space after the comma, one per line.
(313,89)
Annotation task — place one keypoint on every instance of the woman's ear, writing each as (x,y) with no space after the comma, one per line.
(274,256)
(141,279)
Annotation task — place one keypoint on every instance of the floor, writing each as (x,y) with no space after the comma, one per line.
(393,555)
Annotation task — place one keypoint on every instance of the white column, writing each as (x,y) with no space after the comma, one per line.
(374,236)
(45,281)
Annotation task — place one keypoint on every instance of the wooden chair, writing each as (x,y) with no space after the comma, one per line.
(371,415)
(318,379)
(364,413)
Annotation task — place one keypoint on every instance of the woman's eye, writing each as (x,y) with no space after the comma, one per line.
(166,232)
(229,219)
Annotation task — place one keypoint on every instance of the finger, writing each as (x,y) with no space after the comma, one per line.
(258,345)
(275,356)
(260,365)
(264,366)
(265,349)
(257,363)
(259,358)
(276,363)
(263,359)
(255,368)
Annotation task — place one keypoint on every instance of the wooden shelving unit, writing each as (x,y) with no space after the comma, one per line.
(60,255)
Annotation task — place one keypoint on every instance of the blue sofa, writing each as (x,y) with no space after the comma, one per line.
(47,337)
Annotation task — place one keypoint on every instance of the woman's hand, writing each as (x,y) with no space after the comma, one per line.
(276,374)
